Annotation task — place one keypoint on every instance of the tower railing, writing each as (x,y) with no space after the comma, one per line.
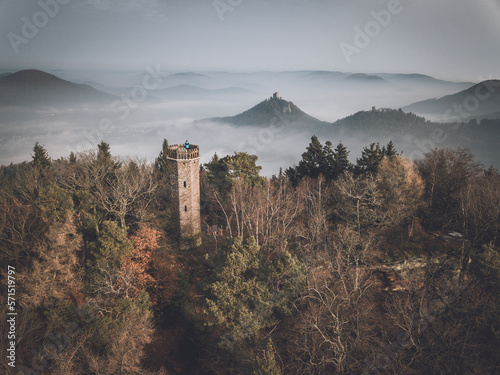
(180,152)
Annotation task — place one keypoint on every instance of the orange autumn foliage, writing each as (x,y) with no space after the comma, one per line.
(151,266)
(135,269)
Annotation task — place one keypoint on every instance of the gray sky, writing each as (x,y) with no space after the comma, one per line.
(449,39)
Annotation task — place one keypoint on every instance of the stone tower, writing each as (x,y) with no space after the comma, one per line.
(184,167)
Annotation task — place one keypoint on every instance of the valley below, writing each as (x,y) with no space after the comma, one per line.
(225,112)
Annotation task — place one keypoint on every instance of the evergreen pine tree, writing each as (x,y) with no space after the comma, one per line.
(390,150)
(103,151)
(111,246)
(218,173)
(161,162)
(247,289)
(370,159)
(342,162)
(105,159)
(41,158)
(312,159)
(327,163)
(242,165)
(292,174)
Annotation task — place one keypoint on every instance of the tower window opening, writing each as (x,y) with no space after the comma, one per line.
(184,183)
(185,208)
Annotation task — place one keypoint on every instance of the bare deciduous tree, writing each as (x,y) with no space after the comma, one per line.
(133,187)
(445,172)
(54,275)
(401,187)
(357,201)
(336,315)
(314,226)
(479,215)
(127,348)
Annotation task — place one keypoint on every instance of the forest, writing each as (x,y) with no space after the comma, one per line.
(382,266)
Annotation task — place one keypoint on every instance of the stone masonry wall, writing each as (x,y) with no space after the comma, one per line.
(185,184)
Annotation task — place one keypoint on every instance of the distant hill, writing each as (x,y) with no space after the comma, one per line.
(188,74)
(397,78)
(414,77)
(479,101)
(190,92)
(383,121)
(37,88)
(269,111)
(187,78)
(417,135)
(360,77)
(324,75)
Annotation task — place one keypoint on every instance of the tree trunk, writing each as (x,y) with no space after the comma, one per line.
(357,217)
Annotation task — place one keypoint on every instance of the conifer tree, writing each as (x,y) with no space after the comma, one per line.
(111,246)
(161,162)
(320,160)
(55,201)
(247,289)
(103,150)
(242,165)
(41,157)
(390,150)
(292,174)
(312,160)
(106,162)
(370,159)
(217,173)
(327,164)
(72,158)
(342,162)
(236,291)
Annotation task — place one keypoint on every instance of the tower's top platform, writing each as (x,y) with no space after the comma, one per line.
(180,152)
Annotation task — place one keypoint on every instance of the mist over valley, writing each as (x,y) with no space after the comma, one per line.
(225,112)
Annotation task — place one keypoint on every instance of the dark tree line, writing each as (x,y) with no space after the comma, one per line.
(331,163)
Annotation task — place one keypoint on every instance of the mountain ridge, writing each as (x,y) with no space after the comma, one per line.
(478,101)
(33,87)
(196,92)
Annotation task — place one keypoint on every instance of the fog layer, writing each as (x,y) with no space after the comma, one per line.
(143,113)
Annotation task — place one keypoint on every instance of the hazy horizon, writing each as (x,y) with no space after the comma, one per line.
(450,39)
(111,44)
(138,126)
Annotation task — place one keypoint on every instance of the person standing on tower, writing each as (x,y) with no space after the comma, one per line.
(186,145)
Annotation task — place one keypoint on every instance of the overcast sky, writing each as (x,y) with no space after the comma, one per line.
(449,39)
